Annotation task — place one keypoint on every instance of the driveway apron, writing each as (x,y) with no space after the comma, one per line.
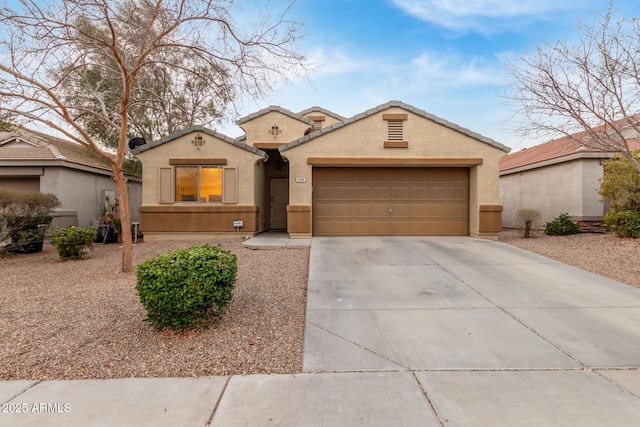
(492,334)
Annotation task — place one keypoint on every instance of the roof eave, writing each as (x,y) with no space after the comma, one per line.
(558,160)
(404,106)
(237,142)
(271,109)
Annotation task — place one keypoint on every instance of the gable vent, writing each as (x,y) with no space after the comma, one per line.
(198,141)
(394,130)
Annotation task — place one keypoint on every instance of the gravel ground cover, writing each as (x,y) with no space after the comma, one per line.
(603,254)
(82,319)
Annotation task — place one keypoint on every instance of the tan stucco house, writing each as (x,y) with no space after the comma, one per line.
(559,176)
(391,170)
(34,161)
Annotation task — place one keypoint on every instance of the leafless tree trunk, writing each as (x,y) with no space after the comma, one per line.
(588,91)
(60,59)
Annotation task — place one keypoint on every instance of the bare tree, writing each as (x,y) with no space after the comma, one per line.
(528,217)
(588,90)
(48,48)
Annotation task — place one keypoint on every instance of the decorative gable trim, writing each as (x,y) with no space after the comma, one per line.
(203,161)
(395,117)
(393,162)
(396,144)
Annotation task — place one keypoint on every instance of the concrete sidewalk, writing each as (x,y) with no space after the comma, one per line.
(404,331)
(275,240)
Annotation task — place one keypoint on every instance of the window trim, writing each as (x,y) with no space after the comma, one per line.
(197,198)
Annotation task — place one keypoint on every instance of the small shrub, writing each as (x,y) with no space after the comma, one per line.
(30,238)
(561,225)
(528,217)
(187,287)
(20,210)
(624,223)
(72,242)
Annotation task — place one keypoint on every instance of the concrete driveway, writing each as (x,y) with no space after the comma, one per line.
(488,333)
(403,332)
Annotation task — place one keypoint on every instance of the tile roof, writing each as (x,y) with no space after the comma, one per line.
(237,142)
(46,147)
(386,106)
(321,110)
(556,151)
(270,109)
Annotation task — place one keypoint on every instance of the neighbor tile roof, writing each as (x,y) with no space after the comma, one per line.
(557,150)
(46,147)
(386,106)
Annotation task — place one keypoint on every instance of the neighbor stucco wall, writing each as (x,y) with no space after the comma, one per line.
(426,139)
(82,192)
(593,209)
(568,187)
(182,147)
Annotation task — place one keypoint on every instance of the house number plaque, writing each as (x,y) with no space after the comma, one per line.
(301,179)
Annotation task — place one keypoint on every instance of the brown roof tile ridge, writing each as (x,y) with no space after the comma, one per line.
(322,110)
(271,108)
(34,139)
(560,147)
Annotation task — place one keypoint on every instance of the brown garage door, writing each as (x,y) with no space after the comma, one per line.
(391,201)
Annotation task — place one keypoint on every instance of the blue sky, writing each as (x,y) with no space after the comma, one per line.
(443,56)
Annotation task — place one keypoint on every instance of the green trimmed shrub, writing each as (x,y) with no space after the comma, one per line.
(561,225)
(624,223)
(187,287)
(24,217)
(72,242)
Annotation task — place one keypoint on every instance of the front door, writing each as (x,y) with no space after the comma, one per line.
(278,201)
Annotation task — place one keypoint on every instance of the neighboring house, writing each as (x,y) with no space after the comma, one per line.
(31,160)
(560,176)
(391,170)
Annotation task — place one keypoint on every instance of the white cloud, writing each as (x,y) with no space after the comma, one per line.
(446,71)
(485,16)
(335,60)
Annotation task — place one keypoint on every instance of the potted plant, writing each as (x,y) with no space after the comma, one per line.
(110,224)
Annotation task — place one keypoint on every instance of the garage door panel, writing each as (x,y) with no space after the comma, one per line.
(341,211)
(400,193)
(323,193)
(323,211)
(400,211)
(379,192)
(457,211)
(438,193)
(387,201)
(370,227)
(457,193)
(419,194)
(373,210)
(343,193)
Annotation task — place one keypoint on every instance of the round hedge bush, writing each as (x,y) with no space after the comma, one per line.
(561,226)
(187,287)
(72,242)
